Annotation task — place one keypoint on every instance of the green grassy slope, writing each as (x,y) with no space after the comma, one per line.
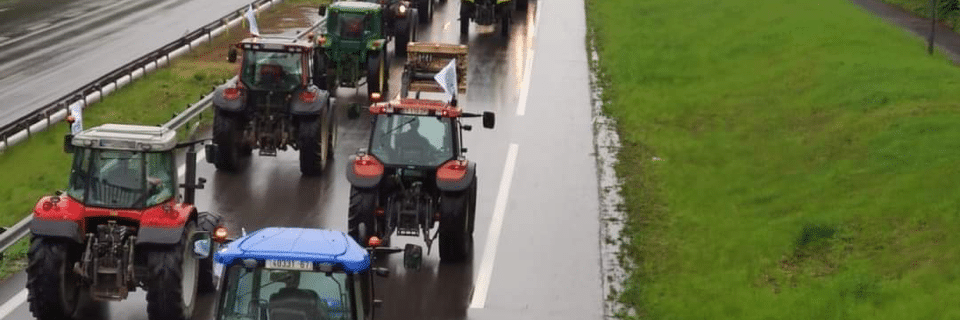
(809,154)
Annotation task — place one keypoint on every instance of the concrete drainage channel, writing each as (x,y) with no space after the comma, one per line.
(10,236)
(612,217)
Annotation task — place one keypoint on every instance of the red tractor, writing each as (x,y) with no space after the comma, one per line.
(122,224)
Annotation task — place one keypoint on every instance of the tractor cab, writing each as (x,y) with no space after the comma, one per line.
(353,26)
(274,64)
(123,167)
(296,273)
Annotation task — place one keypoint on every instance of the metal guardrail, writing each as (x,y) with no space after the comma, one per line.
(13,234)
(53,112)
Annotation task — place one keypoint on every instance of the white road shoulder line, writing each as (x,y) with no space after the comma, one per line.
(528,65)
(21,297)
(482,284)
(13,303)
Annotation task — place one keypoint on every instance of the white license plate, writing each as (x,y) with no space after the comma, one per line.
(289,265)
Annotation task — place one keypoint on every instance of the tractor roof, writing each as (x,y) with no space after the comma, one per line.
(417,107)
(355,6)
(273,43)
(301,244)
(127,137)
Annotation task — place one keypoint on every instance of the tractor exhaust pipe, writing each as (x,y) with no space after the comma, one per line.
(190,182)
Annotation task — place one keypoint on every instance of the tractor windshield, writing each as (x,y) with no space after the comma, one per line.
(121,179)
(272,70)
(351,25)
(412,140)
(285,294)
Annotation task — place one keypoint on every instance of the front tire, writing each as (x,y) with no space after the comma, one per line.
(402,38)
(456,225)
(226,133)
(53,287)
(207,221)
(313,142)
(172,286)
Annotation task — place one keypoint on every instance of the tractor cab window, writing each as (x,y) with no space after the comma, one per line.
(121,179)
(352,25)
(272,70)
(285,294)
(412,140)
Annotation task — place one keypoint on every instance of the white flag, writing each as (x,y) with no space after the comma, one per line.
(252,20)
(447,78)
(76,110)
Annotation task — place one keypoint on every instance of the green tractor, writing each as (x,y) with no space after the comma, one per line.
(353,49)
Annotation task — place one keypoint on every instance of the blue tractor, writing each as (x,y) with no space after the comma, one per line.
(297,273)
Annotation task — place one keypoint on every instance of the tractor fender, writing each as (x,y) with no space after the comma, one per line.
(221,103)
(163,227)
(462,184)
(56,228)
(159,235)
(315,107)
(358,181)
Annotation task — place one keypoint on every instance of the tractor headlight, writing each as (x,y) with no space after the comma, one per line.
(402,11)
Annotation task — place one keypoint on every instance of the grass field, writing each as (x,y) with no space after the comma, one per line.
(38,166)
(809,165)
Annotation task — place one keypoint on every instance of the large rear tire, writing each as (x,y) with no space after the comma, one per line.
(226,134)
(172,285)
(376,73)
(402,38)
(361,217)
(207,221)
(53,288)
(505,22)
(424,6)
(314,142)
(456,225)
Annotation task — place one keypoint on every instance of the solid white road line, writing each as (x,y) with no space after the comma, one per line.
(482,284)
(21,297)
(528,64)
(13,303)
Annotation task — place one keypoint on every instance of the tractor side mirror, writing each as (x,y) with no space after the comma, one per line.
(488,119)
(382,272)
(232,55)
(322,11)
(412,256)
(68,143)
(210,151)
(201,244)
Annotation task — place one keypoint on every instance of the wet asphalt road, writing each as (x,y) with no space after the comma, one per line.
(51,47)
(544,262)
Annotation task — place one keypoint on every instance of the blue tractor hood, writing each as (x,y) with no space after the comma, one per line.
(313,245)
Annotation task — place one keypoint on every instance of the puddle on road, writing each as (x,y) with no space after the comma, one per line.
(612,218)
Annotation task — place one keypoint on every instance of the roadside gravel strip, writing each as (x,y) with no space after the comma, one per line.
(946,39)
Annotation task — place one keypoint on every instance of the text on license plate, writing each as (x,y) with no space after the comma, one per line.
(289,265)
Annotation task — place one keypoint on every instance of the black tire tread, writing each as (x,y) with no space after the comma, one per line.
(164,291)
(362,204)
(207,221)
(43,278)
